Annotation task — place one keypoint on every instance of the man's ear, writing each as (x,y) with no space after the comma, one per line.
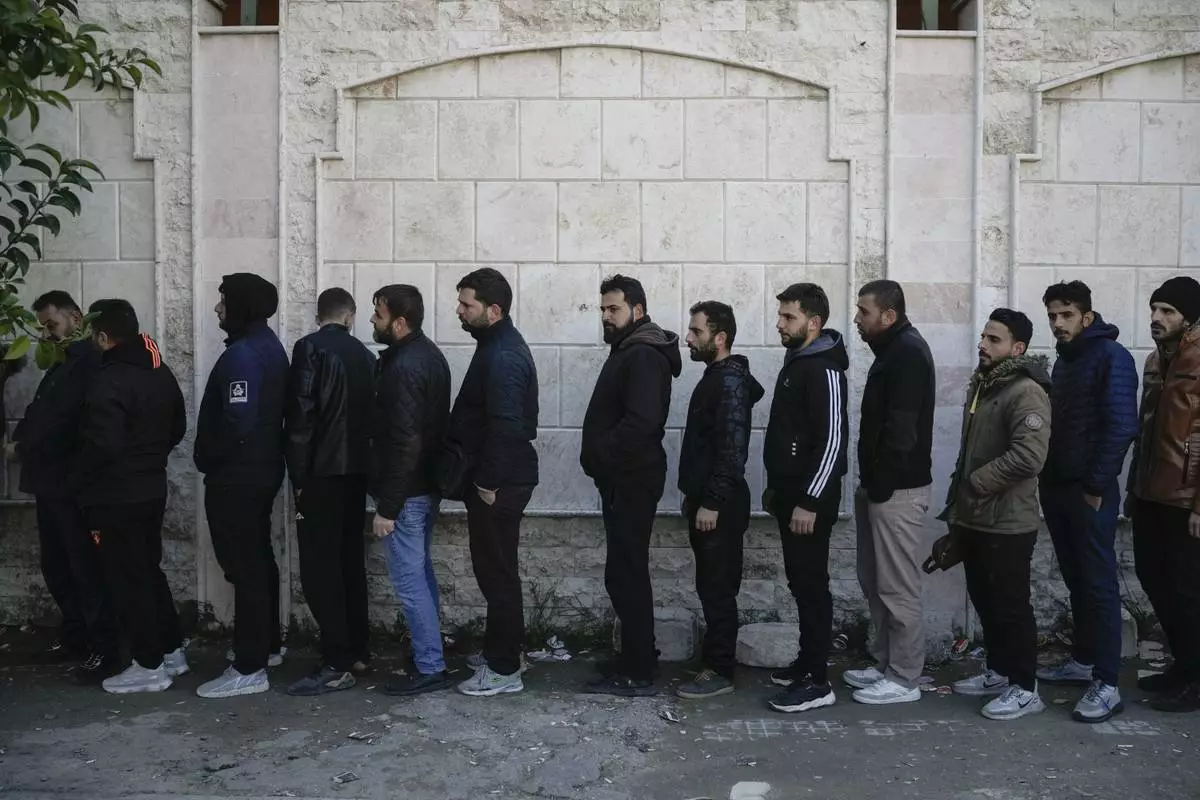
(1088,318)
(1019,348)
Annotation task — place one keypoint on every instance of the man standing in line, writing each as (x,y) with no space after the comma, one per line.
(895,463)
(805,457)
(992,508)
(133,417)
(491,432)
(239,448)
(622,452)
(1163,499)
(1093,422)
(45,441)
(411,412)
(712,480)
(329,402)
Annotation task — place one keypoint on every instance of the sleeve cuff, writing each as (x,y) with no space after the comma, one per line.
(388,509)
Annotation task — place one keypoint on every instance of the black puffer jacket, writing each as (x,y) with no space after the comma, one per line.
(809,432)
(412,410)
(495,415)
(132,418)
(330,396)
(626,418)
(716,442)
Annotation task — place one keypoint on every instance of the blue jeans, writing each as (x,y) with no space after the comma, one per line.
(410,567)
(1085,546)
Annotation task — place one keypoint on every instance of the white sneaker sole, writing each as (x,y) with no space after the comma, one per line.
(870,700)
(175,672)
(784,682)
(1117,709)
(157,686)
(257,688)
(856,683)
(820,702)
(980,691)
(510,688)
(1032,708)
(1049,678)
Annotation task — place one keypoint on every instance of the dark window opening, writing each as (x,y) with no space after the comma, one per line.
(936,15)
(249,12)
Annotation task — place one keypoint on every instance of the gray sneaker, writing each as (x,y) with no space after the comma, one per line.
(985,683)
(1069,672)
(1098,703)
(706,684)
(485,683)
(1014,703)
(476,662)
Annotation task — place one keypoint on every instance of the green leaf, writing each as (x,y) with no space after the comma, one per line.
(18,257)
(48,150)
(47,354)
(8,225)
(35,164)
(50,222)
(18,348)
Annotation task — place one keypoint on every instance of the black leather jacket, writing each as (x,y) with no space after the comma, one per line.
(329,400)
(412,409)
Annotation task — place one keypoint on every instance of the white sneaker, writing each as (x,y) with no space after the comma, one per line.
(476,661)
(233,684)
(176,663)
(862,678)
(1070,672)
(985,683)
(885,692)
(485,683)
(1098,703)
(137,678)
(273,660)
(1014,703)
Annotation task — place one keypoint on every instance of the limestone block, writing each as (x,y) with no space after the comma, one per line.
(755,472)
(599,221)
(664,292)
(1147,281)
(725,138)
(580,368)
(477,139)
(601,72)
(1139,225)
(682,221)
(925,134)
(1189,245)
(435,220)
(1113,294)
(137,219)
(560,139)
(643,139)
(395,139)
(221,257)
(233,218)
(58,128)
(924,260)
(545,361)
(798,141)
(1099,142)
(681,391)
(456,79)
(765,221)
(949,344)
(129,280)
(92,236)
(771,645)
(445,317)
(828,223)
(106,139)
(1031,283)
(563,485)
(571,318)
(531,74)
(1047,168)
(47,276)
(1057,224)
(831,278)
(753,83)
(676,639)
(367,279)
(741,286)
(458,356)
(934,94)
(765,362)
(940,302)
(1154,80)
(358,221)
(471,15)
(675,76)
(1171,138)
(516,221)
(935,56)
(1191,77)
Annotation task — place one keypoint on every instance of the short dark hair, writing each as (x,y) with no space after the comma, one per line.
(635,295)
(811,297)
(335,301)
(1017,323)
(57,298)
(889,296)
(491,288)
(115,317)
(1073,293)
(720,319)
(403,300)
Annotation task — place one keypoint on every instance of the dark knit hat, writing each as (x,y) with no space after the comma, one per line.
(248,298)
(1183,294)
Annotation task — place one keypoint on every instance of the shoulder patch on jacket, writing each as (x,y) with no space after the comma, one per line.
(1034,422)
(239,392)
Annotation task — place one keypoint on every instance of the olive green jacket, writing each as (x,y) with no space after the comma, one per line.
(1005,439)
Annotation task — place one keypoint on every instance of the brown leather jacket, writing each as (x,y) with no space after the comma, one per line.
(1166,453)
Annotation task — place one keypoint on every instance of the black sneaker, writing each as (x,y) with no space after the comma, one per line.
(323,681)
(621,686)
(1181,700)
(1168,681)
(94,670)
(803,695)
(415,683)
(707,683)
(786,676)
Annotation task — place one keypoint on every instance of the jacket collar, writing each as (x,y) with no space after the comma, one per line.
(251,329)
(881,342)
(396,347)
(484,335)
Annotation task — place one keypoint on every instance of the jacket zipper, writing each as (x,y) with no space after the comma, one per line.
(1187,460)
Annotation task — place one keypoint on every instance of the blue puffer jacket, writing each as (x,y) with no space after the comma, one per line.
(1093,410)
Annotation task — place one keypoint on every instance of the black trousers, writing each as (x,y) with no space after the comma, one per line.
(806,565)
(333,572)
(73,575)
(495,534)
(718,556)
(997,567)
(1168,566)
(239,521)
(628,521)
(128,539)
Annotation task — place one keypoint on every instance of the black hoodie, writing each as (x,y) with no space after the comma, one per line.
(716,442)
(808,431)
(133,416)
(626,419)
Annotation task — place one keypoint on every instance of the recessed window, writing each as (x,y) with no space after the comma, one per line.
(936,15)
(248,12)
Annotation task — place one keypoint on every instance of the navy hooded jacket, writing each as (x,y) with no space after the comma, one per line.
(1093,410)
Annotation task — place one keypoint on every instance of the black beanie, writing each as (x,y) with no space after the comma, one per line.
(1183,294)
(248,298)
